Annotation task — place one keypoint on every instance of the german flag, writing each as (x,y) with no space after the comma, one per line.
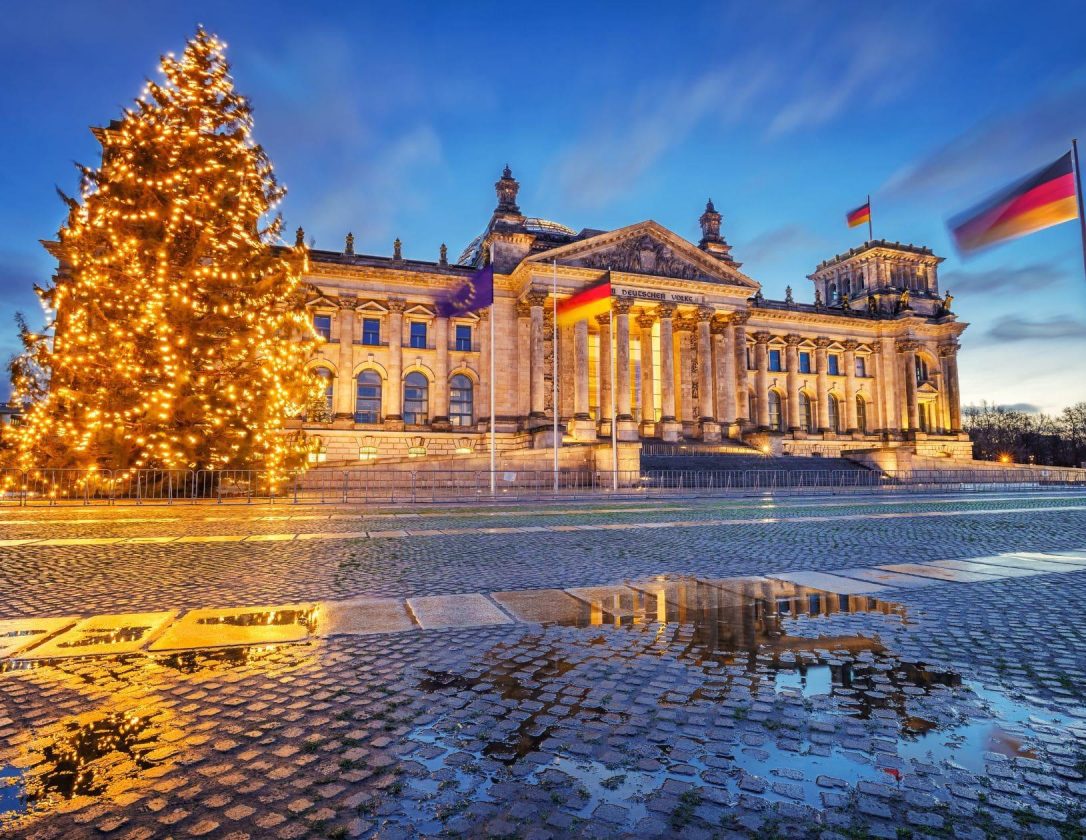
(860,216)
(591,300)
(1045,198)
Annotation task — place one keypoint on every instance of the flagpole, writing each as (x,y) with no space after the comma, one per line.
(554,366)
(493,389)
(1081,204)
(614,373)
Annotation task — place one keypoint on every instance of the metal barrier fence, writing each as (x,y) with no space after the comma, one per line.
(373,485)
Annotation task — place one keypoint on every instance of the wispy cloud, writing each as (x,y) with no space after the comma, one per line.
(1023,278)
(784,240)
(810,76)
(1010,328)
(997,150)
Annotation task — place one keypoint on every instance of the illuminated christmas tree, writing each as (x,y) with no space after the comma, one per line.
(180,336)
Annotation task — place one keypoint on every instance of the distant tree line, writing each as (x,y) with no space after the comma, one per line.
(1022,437)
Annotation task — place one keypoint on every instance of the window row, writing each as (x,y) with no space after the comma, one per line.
(416,333)
(807,417)
(369,388)
(834,363)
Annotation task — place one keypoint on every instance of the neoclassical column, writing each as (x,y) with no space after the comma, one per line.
(536,300)
(648,395)
(742,403)
(907,351)
(761,379)
(821,345)
(523,400)
(791,361)
(441,372)
(706,392)
(887,382)
(482,408)
(394,386)
(604,369)
(344,396)
(725,369)
(580,361)
(850,385)
(948,353)
(621,310)
(666,312)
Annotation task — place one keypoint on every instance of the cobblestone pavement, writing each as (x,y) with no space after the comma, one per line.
(953,709)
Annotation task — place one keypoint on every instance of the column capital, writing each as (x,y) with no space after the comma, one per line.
(484,314)
(536,298)
(762,337)
(604,320)
(907,346)
(948,350)
(685,324)
(348,302)
(793,340)
(524,309)
(665,310)
(705,313)
(850,345)
(645,320)
(822,342)
(740,318)
(396,304)
(719,326)
(621,306)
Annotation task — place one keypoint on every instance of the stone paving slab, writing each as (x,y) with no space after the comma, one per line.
(829,582)
(1069,559)
(363,616)
(540,605)
(105,635)
(948,575)
(18,634)
(237,626)
(1017,561)
(983,568)
(472,610)
(894,579)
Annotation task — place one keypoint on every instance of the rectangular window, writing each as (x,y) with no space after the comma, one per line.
(750,359)
(775,360)
(861,366)
(418,335)
(834,365)
(371,330)
(322,326)
(463,337)
(804,362)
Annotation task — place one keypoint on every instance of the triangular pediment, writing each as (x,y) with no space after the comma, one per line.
(926,388)
(646,248)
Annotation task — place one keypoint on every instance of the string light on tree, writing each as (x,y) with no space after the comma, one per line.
(176,341)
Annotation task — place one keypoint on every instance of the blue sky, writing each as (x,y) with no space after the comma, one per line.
(395,119)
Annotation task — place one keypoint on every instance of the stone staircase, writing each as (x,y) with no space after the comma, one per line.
(754,461)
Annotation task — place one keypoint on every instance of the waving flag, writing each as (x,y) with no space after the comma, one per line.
(1041,200)
(591,300)
(475,293)
(860,216)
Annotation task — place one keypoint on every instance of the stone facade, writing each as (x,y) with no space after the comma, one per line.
(698,352)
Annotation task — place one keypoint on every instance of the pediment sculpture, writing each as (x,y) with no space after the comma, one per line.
(644,255)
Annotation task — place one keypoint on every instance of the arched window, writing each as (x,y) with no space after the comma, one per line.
(806,413)
(329,388)
(416,403)
(461,402)
(367,401)
(835,413)
(832,295)
(861,415)
(776,421)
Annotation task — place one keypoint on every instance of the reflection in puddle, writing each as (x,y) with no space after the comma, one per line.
(769,712)
(278,618)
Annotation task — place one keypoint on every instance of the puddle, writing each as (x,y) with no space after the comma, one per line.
(266,618)
(745,686)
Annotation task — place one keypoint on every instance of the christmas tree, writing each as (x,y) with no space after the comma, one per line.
(180,336)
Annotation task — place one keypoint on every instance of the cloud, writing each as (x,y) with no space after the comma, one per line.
(770,243)
(811,75)
(1024,407)
(997,150)
(1021,278)
(1010,328)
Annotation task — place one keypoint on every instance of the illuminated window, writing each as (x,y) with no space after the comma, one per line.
(775,360)
(371,330)
(834,411)
(806,413)
(463,337)
(460,400)
(804,362)
(322,326)
(329,387)
(416,403)
(861,415)
(367,405)
(418,335)
(776,419)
